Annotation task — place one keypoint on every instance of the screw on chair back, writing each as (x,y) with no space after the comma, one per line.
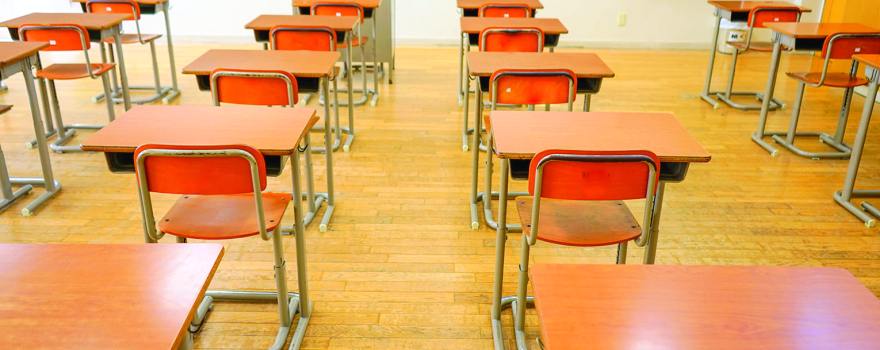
(532,87)
(302,38)
(335,8)
(505,10)
(254,87)
(594,176)
(842,46)
(199,170)
(525,39)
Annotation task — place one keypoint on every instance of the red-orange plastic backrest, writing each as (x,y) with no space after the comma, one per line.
(599,179)
(505,10)
(304,38)
(338,9)
(61,37)
(270,90)
(210,175)
(128,7)
(531,87)
(523,39)
(759,16)
(845,46)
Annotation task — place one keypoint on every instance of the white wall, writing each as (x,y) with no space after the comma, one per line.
(650,23)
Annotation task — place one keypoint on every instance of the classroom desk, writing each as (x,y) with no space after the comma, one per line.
(843,197)
(703,307)
(99,26)
(521,135)
(471,8)
(588,67)
(151,7)
(470,35)
(371,11)
(310,68)
(21,57)
(345,28)
(797,37)
(102,296)
(735,12)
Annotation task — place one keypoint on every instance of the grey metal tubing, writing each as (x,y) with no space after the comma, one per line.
(727,95)
(475,155)
(123,75)
(331,203)
(67,131)
(7,195)
(653,237)
(461,76)
(760,133)
(44,98)
(843,197)
(375,23)
(788,141)
(175,91)
(706,95)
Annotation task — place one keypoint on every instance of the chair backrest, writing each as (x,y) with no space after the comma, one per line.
(200,170)
(336,8)
(525,39)
(844,45)
(304,38)
(254,87)
(759,16)
(505,10)
(61,37)
(532,87)
(593,175)
(128,7)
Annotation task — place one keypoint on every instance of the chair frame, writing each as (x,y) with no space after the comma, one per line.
(367,95)
(727,95)
(287,307)
(482,9)
(159,90)
(836,142)
(65,132)
(528,240)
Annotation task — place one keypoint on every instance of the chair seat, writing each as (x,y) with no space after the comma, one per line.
(355,42)
(580,223)
(132,38)
(68,71)
(222,216)
(840,80)
(759,46)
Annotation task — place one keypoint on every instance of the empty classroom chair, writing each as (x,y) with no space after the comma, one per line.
(66,37)
(222,197)
(254,87)
(576,199)
(511,39)
(337,8)
(758,18)
(505,10)
(131,8)
(841,46)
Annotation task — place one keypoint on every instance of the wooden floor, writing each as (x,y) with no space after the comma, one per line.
(400,266)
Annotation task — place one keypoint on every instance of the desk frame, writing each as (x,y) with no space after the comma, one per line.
(47,180)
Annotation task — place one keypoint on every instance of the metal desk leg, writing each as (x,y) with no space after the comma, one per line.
(651,248)
(587,101)
(305,306)
(350,105)
(475,153)
(760,133)
(331,203)
(844,196)
(375,91)
(3,87)
(126,97)
(711,68)
(175,91)
(487,194)
(461,78)
(48,179)
(7,195)
(464,129)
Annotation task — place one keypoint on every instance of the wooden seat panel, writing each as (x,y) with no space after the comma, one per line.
(839,80)
(222,216)
(133,38)
(580,223)
(70,71)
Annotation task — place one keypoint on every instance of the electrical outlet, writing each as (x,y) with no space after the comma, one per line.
(621,19)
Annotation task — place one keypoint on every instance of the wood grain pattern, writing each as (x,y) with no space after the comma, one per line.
(367,4)
(12,52)
(868,60)
(101,296)
(400,267)
(267,22)
(702,307)
(272,131)
(91,21)
(475,25)
(476,4)
(583,64)
(306,64)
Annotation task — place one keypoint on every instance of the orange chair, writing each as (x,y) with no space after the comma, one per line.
(523,39)
(339,8)
(130,8)
(66,37)
(758,18)
(222,197)
(254,87)
(505,10)
(841,46)
(576,199)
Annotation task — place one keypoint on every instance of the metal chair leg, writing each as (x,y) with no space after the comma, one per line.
(621,253)
(843,150)
(727,95)
(519,312)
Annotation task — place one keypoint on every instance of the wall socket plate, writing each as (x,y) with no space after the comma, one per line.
(621,19)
